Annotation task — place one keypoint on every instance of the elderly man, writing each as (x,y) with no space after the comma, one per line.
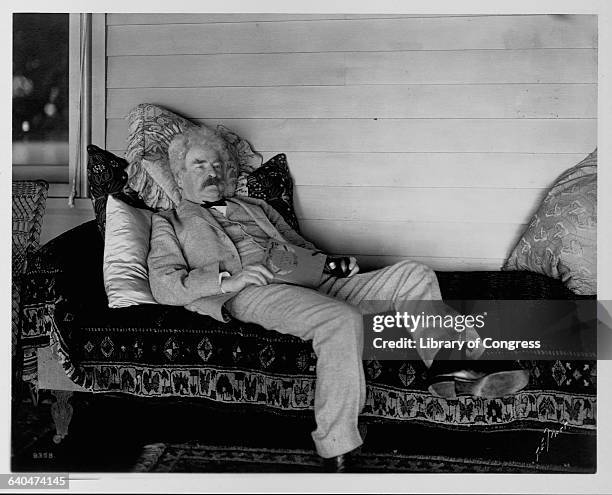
(208,256)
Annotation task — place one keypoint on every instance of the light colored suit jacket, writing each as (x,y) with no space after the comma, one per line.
(189,249)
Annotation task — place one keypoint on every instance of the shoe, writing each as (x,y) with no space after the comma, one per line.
(341,463)
(337,464)
(363,431)
(487,379)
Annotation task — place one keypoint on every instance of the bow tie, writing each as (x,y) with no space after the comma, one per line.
(209,204)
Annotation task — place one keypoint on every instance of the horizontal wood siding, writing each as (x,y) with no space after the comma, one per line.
(408,136)
(459,33)
(425,169)
(211,18)
(393,238)
(495,101)
(405,135)
(337,68)
(389,203)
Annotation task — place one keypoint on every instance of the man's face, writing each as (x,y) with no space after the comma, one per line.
(204,176)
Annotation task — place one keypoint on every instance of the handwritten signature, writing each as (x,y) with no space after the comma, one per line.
(547,436)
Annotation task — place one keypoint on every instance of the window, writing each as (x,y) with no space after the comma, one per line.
(59,83)
(40,97)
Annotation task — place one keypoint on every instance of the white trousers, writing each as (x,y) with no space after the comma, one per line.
(332,316)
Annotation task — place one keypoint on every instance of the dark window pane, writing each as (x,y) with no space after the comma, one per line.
(40,77)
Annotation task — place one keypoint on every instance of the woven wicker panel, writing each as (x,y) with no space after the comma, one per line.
(29,200)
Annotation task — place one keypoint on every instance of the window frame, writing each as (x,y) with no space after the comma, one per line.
(87,88)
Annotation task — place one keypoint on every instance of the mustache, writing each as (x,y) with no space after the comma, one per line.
(212,181)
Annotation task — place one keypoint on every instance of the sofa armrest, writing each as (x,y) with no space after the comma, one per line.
(62,278)
(75,260)
(508,285)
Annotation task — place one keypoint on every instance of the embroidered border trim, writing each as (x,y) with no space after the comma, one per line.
(296,393)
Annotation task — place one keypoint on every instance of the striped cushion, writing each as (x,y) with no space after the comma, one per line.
(151,128)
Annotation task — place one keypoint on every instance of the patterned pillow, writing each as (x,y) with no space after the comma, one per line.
(272,183)
(106,175)
(151,128)
(561,239)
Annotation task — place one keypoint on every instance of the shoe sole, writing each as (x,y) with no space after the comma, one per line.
(491,386)
(445,389)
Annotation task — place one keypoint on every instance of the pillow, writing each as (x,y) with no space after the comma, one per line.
(150,130)
(106,175)
(126,246)
(272,183)
(561,239)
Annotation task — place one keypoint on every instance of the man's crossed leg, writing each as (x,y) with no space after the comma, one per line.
(332,317)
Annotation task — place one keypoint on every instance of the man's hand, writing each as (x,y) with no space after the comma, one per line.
(341,266)
(353,266)
(251,275)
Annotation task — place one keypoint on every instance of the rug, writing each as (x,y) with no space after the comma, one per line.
(193,457)
(180,438)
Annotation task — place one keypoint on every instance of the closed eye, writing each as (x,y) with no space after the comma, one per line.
(200,164)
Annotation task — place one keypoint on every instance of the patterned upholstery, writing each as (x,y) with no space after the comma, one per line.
(561,238)
(29,200)
(272,182)
(168,352)
(151,129)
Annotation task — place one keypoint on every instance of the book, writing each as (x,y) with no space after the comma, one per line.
(292,264)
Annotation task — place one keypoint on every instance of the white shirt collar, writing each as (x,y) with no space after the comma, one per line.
(220,209)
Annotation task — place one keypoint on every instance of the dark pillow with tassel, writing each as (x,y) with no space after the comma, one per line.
(106,175)
(272,182)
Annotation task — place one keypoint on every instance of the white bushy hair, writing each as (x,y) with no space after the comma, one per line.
(202,137)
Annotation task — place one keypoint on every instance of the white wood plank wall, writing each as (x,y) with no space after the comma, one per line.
(429,137)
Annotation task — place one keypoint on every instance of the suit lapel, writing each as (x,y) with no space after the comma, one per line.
(189,210)
(261,219)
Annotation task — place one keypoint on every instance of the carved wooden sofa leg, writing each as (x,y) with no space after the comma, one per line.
(33,389)
(61,411)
